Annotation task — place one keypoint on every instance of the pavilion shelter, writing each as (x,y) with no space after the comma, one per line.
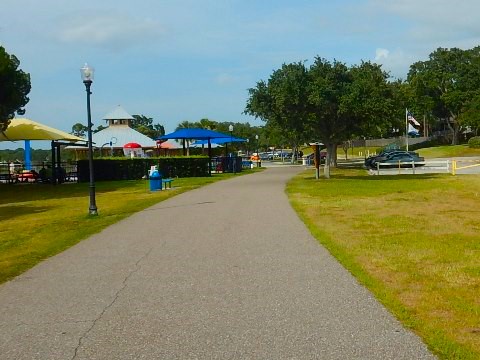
(27,130)
(119,132)
(196,134)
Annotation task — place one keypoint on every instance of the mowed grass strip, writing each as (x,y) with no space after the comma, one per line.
(448,151)
(40,220)
(414,241)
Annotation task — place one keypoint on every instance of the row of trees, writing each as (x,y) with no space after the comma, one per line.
(332,102)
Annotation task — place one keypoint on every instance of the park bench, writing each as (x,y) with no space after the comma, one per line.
(167,183)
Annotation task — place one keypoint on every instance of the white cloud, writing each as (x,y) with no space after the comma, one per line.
(437,21)
(109,31)
(381,54)
(396,62)
(224,79)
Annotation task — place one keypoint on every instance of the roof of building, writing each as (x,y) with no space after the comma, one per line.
(118,113)
(120,135)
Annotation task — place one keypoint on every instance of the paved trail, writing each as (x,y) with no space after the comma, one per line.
(227,271)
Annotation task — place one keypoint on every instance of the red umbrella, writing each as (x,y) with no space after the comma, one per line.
(132,146)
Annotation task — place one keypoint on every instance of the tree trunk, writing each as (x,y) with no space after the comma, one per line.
(294,154)
(330,159)
(334,158)
(454,129)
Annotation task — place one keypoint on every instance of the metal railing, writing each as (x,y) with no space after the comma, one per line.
(426,167)
(413,167)
(14,172)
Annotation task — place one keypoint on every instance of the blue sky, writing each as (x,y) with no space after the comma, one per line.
(182,60)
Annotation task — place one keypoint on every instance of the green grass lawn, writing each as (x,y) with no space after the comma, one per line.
(40,220)
(414,241)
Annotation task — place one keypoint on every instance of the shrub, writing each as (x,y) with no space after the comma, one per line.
(134,169)
(474,142)
(426,144)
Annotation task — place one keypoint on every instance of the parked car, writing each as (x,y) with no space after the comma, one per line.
(397,158)
(383,155)
(323,155)
(266,156)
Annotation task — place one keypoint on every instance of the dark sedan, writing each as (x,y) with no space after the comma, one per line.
(397,159)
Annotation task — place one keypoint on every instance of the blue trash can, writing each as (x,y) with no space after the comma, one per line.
(155,181)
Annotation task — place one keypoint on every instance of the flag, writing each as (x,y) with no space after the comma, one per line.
(412,131)
(411,119)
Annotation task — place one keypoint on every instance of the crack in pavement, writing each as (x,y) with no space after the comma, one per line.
(124,282)
(43,323)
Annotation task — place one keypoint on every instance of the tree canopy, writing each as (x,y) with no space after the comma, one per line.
(145,125)
(14,88)
(328,102)
(79,129)
(447,87)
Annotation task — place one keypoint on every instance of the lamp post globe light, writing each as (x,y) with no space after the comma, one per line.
(87,77)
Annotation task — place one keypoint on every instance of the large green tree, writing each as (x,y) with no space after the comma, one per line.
(448,85)
(328,102)
(347,102)
(14,88)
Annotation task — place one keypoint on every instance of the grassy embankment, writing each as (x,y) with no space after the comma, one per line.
(39,221)
(414,241)
(432,152)
(448,151)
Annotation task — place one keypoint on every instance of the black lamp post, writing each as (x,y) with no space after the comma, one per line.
(258,155)
(230,128)
(87,77)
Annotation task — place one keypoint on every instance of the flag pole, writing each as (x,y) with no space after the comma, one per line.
(406,127)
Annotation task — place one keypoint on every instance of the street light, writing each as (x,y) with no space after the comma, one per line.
(87,76)
(258,155)
(230,128)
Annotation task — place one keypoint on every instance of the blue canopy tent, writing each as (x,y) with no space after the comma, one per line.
(221,141)
(196,134)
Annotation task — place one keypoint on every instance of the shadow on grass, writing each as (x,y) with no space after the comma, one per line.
(11,194)
(12,211)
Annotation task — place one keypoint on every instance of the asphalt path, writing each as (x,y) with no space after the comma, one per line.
(227,271)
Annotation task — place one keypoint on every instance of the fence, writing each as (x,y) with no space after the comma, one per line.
(456,167)
(14,172)
(231,164)
(412,167)
(429,167)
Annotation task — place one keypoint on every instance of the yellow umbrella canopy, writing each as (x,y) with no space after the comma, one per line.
(26,129)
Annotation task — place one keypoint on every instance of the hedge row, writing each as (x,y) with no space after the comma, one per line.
(136,168)
(474,142)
